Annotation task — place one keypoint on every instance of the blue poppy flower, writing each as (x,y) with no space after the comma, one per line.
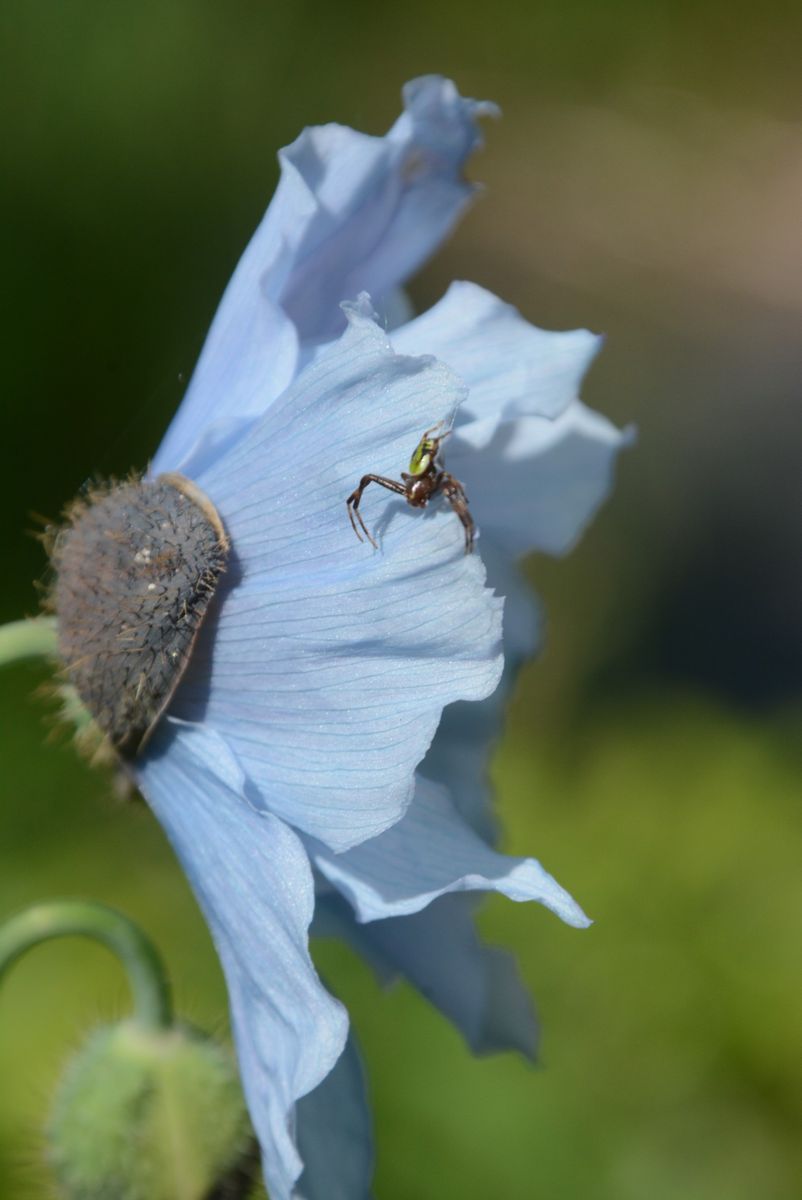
(285,771)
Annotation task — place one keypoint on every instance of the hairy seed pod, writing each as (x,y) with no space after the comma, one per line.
(136,566)
(149,1115)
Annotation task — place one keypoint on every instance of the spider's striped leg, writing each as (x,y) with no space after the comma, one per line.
(454,492)
(353,502)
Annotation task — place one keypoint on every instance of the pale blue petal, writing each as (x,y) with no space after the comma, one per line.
(249,357)
(512,368)
(351,213)
(428,853)
(254,884)
(328,663)
(438,951)
(459,754)
(395,309)
(478,987)
(533,487)
(536,484)
(536,464)
(375,208)
(335,1134)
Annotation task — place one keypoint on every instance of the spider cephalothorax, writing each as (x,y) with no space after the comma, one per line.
(424,480)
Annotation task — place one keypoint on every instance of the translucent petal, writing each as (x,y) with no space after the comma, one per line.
(254,884)
(459,754)
(534,486)
(329,662)
(335,1134)
(535,463)
(430,852)
(438,951)
(351,213)
(536,483)
(512,368)
(375,208)
(249,357)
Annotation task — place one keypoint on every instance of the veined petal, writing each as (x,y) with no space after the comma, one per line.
(254,884)
(535,484)
(351,213)
(374,208)
(335,1134)
(544,506)
(459,754)
(428,853)
(249,357)
(359,408)
(439,952)
(329,663)
(512,368)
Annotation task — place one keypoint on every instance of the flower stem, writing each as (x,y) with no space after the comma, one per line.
(150,987)
(34,638)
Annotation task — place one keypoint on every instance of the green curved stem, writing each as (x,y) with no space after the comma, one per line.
(150,986)
(34,638)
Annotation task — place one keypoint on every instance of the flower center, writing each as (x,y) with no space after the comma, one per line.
(136,564)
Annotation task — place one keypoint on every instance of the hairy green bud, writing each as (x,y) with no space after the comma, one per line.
(147,1115)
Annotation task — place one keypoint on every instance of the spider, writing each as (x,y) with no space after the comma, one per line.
(424,480)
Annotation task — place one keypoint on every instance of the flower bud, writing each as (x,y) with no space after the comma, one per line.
(145,1114)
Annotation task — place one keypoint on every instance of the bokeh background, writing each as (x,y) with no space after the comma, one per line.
(645,181)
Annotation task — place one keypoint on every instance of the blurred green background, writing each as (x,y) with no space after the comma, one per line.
(646,181)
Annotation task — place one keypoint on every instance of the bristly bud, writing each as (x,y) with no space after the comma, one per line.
(149,1115)
(136,566)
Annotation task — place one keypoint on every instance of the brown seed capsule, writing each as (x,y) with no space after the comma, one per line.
(136,566)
